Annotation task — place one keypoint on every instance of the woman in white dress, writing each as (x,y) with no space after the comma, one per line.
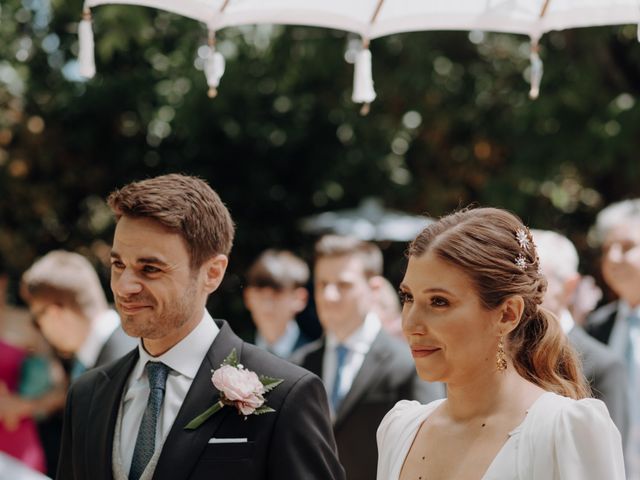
(515,406)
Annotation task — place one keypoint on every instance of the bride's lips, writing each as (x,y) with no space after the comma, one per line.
(419,351)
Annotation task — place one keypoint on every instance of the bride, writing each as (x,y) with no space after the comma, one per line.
(515,406)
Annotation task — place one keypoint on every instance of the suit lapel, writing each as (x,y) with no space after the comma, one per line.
(182,448)
(103,413)
(368,373)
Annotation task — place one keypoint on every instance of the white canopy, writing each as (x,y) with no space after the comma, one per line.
(376,18)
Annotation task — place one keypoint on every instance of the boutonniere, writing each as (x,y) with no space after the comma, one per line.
(240,388)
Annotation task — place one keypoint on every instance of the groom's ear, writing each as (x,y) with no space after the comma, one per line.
(213,270)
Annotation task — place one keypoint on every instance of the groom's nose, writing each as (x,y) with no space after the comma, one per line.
(125,283)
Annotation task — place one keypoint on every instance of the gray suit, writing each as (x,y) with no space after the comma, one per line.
(387,375)
(606,374)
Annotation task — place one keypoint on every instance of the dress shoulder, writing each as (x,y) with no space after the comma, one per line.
(396,433)
(578,434)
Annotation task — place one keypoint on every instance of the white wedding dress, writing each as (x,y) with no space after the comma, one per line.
(560,439)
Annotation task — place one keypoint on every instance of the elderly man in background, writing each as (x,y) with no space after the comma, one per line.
(618,323)
(604,370)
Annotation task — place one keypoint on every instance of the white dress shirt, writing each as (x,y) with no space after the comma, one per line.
(283,346)
(358,343)
(101,329)
(184,359)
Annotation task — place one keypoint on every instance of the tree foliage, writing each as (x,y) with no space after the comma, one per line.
(452,125)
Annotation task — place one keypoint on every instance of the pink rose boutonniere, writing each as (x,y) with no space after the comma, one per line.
(240,388)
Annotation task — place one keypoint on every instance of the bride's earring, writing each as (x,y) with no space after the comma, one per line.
(501,357)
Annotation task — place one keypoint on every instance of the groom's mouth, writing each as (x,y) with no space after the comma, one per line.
(132,308)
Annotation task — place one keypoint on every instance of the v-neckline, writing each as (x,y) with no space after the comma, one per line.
(491,466)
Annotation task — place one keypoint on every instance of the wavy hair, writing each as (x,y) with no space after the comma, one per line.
(484,244)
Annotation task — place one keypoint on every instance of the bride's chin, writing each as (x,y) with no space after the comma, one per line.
(428,376)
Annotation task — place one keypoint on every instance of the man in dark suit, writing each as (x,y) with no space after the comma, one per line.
(618,323)
(365,370)
(128,420)
(604,370)
(275,292)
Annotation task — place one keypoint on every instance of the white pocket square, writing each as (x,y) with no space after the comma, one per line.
(227,440)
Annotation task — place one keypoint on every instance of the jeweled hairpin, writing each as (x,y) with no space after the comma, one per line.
(523,239)
(521,262)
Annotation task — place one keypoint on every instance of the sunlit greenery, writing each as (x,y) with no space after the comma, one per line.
(452,125)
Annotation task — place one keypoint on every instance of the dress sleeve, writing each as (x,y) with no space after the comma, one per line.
(587,444)
(390,437)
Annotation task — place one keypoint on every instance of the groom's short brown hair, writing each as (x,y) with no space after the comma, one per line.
(183,204)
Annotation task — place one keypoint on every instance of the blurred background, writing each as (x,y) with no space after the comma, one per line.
(452,126)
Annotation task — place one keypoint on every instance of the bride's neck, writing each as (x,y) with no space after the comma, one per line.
(487,395)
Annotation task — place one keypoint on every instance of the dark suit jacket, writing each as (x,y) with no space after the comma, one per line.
(606,374)
(600,322)
(295,442)
(387,375)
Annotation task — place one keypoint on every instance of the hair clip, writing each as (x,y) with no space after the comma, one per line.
(521,262)
(523,239)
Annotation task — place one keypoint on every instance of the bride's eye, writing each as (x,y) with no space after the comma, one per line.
(404,297)
(439,302)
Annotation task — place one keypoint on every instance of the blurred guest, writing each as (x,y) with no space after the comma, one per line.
(617,227)
(365,371)
(602,368)
(18,433)
(386,305)
(275,293)
(70,308)
(585,299)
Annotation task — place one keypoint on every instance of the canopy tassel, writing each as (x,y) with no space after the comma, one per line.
(214,65)
(536,70)
(363,91)
(86,55)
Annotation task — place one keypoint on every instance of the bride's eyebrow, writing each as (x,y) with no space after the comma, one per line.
(436,290)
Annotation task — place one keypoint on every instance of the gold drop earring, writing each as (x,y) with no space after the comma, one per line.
(501,356)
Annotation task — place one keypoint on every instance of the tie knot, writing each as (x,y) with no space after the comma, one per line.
(157,373)
(634,319)
(341,352)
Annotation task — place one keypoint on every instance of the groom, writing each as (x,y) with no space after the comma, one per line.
(127,420)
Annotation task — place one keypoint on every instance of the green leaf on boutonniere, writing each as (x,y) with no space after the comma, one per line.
(200,419)
(269,383)
(232,359)
(263,409)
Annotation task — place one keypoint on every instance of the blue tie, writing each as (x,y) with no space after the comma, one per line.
(341,355)
(77,369)
(146,441)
